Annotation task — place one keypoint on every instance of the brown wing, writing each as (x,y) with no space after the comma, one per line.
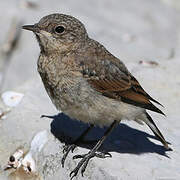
(113,80)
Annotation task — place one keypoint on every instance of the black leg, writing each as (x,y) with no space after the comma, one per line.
(71,147)
(85,158)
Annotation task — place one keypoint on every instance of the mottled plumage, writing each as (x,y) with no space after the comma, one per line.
(86,81)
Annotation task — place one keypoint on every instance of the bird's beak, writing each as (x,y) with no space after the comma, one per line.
(32,28)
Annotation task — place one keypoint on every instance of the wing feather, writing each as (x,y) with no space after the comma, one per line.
(111,78)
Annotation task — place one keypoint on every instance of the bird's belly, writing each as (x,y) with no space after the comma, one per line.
(83,103)
(104,114)
(102,111)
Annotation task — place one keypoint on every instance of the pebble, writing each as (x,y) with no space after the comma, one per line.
(11,98)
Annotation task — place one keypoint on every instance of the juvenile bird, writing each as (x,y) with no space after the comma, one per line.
(87,82)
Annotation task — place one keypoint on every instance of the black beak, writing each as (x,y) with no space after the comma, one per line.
(33,28)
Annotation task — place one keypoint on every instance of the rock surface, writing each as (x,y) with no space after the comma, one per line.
(140,33)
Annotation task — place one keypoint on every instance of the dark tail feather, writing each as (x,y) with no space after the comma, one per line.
(156,131)
(148,106)
(152,107)
(150,98)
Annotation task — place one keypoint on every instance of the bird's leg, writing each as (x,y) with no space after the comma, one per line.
(93,153)
(70,147)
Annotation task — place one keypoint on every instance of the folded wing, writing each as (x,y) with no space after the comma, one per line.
(111,78)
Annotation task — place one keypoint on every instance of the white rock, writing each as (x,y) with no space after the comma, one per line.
(29,164)
(39,141)
(11,98)
(15,160)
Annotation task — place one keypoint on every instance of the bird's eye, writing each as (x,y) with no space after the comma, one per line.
(59,29)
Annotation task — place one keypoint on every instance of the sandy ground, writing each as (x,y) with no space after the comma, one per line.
(137,32)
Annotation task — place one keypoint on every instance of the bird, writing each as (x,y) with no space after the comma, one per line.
(87,83)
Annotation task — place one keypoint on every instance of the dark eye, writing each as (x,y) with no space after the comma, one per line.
(59,29)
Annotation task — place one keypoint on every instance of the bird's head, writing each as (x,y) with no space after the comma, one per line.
(58,32)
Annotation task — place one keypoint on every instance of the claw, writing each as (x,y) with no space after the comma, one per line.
(84,166)
(83,163)
(73,148)
(73,173)
(109,155)
(103,155)
(66,150)
(79,156)
(85,159)
(62,161)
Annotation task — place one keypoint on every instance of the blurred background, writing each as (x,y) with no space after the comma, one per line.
(144,34)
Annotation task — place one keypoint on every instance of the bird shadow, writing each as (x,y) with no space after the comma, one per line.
(123,139)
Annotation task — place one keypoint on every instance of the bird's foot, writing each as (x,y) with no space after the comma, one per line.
(70,147)
(96,154)
(66,150)
(84,161)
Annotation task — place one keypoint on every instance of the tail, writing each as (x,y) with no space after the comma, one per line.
(156,131)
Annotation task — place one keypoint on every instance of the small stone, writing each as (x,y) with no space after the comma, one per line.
(148,63)
(11,98)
